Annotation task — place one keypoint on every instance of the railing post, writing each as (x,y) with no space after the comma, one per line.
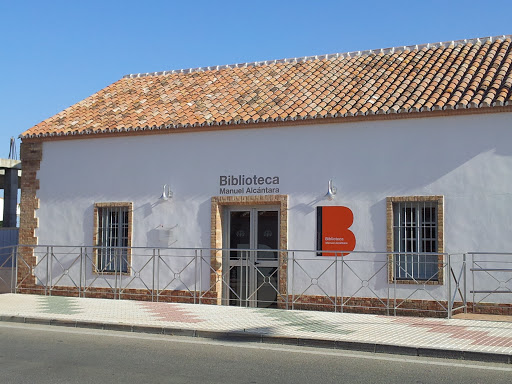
(115,274)
(465,299)
(293,280)
(153,277)
(201,276)
(449,284)
(16,267)
(335,282)
(387,285)
(84,288)
(195,276)
(80,278)
(473,279)
(121,262)
(246,277)
(393,271)
(13,266)
(287,258)
(52,256)
(342,301)
(158,275)
(48,277)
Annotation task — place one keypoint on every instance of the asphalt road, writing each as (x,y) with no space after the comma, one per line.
(50,354)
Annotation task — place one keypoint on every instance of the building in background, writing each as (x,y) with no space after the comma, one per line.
(10,172)
(10,177)
(2,202)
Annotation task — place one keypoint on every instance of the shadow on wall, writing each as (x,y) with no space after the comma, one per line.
(88,225)
(307,208)
(161,237)
(204,216)
(378,220)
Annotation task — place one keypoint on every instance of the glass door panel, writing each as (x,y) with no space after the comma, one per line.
(239,243)
(268,231)
(239,234)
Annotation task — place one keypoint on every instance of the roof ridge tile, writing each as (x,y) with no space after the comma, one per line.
(323,57)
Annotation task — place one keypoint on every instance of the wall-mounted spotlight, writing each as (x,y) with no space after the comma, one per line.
(166,193)
(331,191)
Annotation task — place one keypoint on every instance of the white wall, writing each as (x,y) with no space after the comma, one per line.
(467,159)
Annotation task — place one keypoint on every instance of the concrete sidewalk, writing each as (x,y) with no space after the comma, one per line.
(455,338)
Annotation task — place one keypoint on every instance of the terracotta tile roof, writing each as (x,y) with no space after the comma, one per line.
(473,73)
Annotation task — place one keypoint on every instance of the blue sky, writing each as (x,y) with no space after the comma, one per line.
(55,53)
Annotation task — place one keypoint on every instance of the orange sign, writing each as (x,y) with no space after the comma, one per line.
(333,232)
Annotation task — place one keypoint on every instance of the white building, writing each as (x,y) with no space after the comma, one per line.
(2,208)
(399,157)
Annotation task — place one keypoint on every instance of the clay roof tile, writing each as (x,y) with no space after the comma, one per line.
(462,74)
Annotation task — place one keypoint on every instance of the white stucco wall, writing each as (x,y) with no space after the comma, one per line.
(467,159)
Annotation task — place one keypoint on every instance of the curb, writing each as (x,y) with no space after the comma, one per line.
(268,339)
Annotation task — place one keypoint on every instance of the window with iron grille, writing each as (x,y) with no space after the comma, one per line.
(113,237)
(416,238)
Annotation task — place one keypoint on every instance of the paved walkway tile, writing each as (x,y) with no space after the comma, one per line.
(438,334)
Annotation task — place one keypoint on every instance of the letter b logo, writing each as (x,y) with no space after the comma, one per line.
(333,230)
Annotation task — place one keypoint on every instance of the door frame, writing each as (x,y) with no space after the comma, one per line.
(219,204)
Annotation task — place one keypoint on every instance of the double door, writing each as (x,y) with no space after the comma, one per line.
(252,260)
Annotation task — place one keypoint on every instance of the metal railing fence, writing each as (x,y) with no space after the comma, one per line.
(355,282)
(7,269)
(491,280)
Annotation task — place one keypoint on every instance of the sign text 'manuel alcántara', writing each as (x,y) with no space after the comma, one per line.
(248,184)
